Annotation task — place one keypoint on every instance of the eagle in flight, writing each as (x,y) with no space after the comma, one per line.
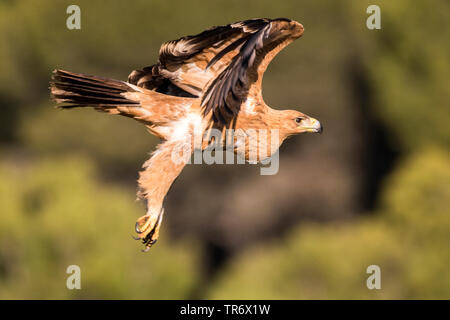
(211,80)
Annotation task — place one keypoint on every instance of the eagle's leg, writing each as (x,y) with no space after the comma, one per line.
(155,180)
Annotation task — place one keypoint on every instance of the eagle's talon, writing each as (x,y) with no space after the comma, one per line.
(147,228)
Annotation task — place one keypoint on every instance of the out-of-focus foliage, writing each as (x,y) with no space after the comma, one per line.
(51,132)
(54,214)
(67,177)
(408,240)
(417,195)
(410,69)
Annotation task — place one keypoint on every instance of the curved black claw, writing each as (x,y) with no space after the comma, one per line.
(136,238)
(148,245)
(136,227)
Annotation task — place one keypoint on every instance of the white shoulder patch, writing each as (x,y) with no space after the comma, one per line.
(249,105)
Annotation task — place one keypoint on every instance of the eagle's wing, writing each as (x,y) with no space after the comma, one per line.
(220,65)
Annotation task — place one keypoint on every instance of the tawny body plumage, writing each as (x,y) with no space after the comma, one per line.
(203,83)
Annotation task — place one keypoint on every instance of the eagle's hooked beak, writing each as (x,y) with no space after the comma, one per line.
(312,125)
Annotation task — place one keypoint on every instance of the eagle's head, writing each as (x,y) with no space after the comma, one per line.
(294,122)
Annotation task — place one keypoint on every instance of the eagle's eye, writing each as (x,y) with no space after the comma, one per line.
(298,119)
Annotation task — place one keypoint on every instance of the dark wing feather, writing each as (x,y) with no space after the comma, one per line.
(243,75)
(235,74)
(150,78)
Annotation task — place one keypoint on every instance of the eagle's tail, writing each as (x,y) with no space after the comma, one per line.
(72,90)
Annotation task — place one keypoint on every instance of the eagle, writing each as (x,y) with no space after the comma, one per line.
(207,81)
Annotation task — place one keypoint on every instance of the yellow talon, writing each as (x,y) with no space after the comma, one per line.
(147,228)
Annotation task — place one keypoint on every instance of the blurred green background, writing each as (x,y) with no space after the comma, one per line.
(374,188)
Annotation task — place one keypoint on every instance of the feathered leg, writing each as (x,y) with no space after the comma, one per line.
(160,171)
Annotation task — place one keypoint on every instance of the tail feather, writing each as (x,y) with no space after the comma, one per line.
(79,90)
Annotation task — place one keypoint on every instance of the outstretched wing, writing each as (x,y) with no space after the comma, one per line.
(220,65)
